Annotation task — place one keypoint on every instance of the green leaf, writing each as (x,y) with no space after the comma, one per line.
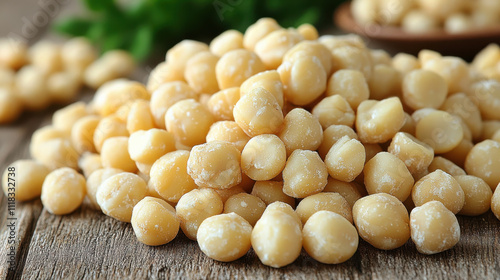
(142,43)
(73,26)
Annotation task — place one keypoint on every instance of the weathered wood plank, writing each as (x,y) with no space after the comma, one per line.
(87,244)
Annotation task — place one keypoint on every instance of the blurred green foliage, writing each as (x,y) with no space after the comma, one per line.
(140,26)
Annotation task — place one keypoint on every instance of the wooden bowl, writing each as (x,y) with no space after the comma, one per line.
(394,39)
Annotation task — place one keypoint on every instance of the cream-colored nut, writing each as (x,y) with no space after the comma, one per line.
(263,157)
(154,221)
(489,129)
(169,177)
(259,30)
(227,41)
(331,135)
(311,49)
(179,55)
(269,80)
(385,81)
(477,195)
(43,135)
(31,88)
(114,154)
(200,72)
(13,53)
(95,180)
(385,173)
(335,41)
(57,153)
(405,63)
(148,146)
(382,220)
(249,207)
(424,89)
(258,112)
(277,237)
(329,238)
(446,166)
(64,119)
(346,159)
(161,74)
(63,191)
(215,164)
(82,133)
(78,53)
(334,110)
(308,31)
(416,155)
(327,201)
(63,87)
(351,191)
(355,58)
(304,174)
(189,122)
(89,162)
(417,21)
(139,116)
(275,45)
(271,191)
(440,186)
(440,130)
(304,79)
(114,94)
(10,105)
(483,161)
(112,65)
(108,127)
(23,179)
(224,237)
(350,84)
(46,56)
(165,96)
(379,121)
(118,195)
(234,67)
(486,95)
(221,104)
(194,207)
(434,228)
(228,131)
(380,56)
(301,130)
(461,105)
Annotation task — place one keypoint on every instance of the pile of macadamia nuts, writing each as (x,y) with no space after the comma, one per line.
(423,16)
(32,78)
(277,140)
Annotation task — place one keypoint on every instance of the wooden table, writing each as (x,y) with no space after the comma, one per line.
(88,244)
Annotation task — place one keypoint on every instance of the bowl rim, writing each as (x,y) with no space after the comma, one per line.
(344,19)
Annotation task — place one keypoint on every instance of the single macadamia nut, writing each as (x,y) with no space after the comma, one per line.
(118,195)
(154,221)
(346,159)
(23,179)
(249,207)
(228,131)
(63,191)
(112,65)
(235,66)
(148,146)
(166,95)
(10,105)
(329,238)
(483,161)
(263,157)
(95,180)
(215,165)
(82,133)
(424,89)
(227,41)
(439,186)
(31,88)
(258,112)
(351,191)
(385,173)
(434,228)
(89,162)
(200,72)
(379,121)
(416,155)
(268,80)
(301,130)
(440,130)
(277,236)
(477,195)
(271,191)
(221,104)
(169,177)
(224,237)
(275,45)
(106,128)
(331,135)
(194,207)
(304,174)
(350,84)
(382,220)
(114,154)
(334,110)
(327,201)
(259,30)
